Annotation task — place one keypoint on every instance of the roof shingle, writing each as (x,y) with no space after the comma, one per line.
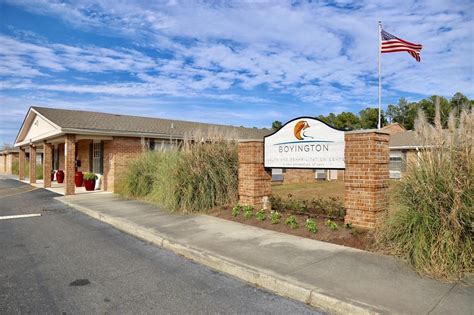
(76,119)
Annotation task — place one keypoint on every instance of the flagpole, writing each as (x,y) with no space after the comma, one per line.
(379,125)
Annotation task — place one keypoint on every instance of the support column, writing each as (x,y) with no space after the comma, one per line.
(69,165)
(21,164)
(32,174)
(255,182)
(47,163)
(366,177)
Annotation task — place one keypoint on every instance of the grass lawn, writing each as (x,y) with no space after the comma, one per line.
(318,189)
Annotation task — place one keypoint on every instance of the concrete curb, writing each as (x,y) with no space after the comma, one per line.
(263,278)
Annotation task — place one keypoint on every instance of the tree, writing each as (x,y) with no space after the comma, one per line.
(428,105)
(6,146)
(404,113)
(369,118)
(276,125)
(329,119)
(347,121)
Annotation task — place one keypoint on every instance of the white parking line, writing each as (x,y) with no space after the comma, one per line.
(7,217)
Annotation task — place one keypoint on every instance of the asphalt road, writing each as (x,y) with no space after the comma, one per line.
(65,262)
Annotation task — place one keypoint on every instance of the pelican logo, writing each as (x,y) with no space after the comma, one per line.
(299,130)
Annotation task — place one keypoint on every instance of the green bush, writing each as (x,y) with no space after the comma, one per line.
(39,171)
(15,167)
(195,178)
(89,176)
(260,215)
(331,207)
(248,212)
(311,225)
(432,225)
(331,224)
(291,222)
(275,217)
(236,210)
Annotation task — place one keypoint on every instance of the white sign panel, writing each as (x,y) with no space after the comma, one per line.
(305,143)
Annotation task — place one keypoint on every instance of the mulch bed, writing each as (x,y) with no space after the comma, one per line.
(356,238)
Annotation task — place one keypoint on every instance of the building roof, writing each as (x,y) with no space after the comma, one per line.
(10,151)
(113,123)
(407,139)
(394,128)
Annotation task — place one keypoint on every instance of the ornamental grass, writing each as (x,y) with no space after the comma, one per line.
(432,225)
(195,177)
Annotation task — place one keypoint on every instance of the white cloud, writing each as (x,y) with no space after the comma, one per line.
(322,53)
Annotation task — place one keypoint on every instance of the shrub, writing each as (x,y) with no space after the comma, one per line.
(260,215)
(331,224)
(277,203)
(432,225)
(291,222)
(15,167)
(39,172)
(248,212)
(236,210)
(332,207)
(90,176)
(275,217)
(311,225)
(196,178)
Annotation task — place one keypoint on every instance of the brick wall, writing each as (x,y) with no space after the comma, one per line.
(32,175)
(298,176)
(117,155)
(82,154)
(340,174)
(3,163)
(411,156)
(69,164)
(21,164)
(254,179)
(366,177)
(108,180)
(47,164)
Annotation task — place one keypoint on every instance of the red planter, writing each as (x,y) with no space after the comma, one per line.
(78,179)
(89,184)
(60,176)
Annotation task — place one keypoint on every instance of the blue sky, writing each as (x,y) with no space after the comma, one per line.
(231,62)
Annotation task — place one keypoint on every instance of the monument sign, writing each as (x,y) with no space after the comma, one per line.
(305,142)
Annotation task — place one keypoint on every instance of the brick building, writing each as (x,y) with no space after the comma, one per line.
(103,143)
(8,159)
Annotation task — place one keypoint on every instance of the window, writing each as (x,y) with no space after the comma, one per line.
(397,161)
(97,158)
(166,146)
(151,144)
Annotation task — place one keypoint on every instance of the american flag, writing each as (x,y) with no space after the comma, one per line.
(391,43)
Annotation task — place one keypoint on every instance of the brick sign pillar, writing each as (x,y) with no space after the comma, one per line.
(69,163)
(255,185)
(366,177)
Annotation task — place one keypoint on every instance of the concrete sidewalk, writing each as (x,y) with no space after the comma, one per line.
(336,278)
